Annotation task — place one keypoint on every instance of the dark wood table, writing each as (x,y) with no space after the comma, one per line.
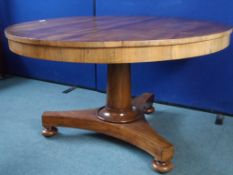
(117,41)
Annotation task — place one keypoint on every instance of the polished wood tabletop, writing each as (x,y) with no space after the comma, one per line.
(117,39)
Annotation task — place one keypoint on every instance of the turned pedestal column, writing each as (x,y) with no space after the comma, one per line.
(119,107)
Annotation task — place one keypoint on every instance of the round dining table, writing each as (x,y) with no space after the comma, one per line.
(117,42)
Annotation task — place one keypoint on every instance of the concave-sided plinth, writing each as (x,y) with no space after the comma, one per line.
(121,117)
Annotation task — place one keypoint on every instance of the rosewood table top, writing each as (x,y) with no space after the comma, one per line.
(117,39)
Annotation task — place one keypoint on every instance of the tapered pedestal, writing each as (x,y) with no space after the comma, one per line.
(121,117)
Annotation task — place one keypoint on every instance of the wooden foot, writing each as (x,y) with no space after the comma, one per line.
(145,103)
(162,167)
(49,131)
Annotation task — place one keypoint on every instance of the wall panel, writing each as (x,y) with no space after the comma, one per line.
(17,11)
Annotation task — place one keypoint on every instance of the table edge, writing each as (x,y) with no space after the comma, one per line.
(115,44)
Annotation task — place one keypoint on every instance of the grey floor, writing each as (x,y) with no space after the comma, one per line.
(201,147)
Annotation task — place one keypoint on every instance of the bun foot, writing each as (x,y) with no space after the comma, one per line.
(162,167)
(149,110)
(144,103)
(49,132)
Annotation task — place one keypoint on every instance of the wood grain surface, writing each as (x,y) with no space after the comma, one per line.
(117,39)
